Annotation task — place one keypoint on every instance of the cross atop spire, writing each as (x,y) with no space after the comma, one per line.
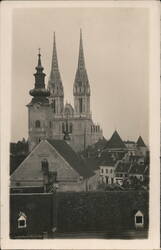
(81,61)
(39,60)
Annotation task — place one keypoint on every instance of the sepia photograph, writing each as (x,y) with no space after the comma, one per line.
(81,146)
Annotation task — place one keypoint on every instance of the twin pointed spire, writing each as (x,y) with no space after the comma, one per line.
(55,83)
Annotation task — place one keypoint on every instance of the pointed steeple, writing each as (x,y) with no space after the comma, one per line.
(39,61)
(140,142)
(55,82)
(39,91)
(81,78)
(54,65)
(115,141)
(81,61)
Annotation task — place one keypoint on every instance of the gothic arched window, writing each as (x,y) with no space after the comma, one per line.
(80,105)
(53,105)
(37,124)
(71,128)
(63,127)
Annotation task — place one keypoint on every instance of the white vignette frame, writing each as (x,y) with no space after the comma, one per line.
(153,241)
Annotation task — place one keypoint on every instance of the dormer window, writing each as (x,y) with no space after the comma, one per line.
(22,220)
(139,219)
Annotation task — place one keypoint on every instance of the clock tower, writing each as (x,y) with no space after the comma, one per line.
(38,109)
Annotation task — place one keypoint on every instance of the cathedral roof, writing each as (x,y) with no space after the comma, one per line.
(115,141)
(140,142)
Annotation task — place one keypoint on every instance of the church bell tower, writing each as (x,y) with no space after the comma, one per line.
(38,108)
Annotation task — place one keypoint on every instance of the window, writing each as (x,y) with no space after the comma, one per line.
(106,171)
(139,219)
(37,124)
(53,105)
(71,128)
(111,171)
(50,124)
(22,223)
(22,220)
(63,128)
(80,105)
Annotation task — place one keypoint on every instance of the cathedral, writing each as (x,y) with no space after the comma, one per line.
(49,118)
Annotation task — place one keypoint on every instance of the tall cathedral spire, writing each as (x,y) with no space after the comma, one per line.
(81,88)
(54,65)
(81,61)
(81,77)
(55,83)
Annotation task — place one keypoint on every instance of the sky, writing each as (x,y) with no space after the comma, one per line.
(116,49)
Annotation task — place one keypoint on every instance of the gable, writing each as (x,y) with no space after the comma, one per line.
(30,168)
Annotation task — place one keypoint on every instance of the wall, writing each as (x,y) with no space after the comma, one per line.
(100,211)
(78,212)
(38,209)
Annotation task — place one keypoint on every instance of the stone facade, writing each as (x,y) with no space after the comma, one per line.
(51,118)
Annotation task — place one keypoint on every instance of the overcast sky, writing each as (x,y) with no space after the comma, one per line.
(116,52)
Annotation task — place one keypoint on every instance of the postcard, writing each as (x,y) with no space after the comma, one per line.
(80,115)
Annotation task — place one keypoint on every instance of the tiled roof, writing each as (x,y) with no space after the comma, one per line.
(137,169)
(115,141)
(106,159)
(71,157)
(123,167)
(140,142)
(101,143)
(129,142)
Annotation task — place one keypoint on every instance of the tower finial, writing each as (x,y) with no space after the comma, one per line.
(54,57)
(39,59)
(81,61)
(39,91)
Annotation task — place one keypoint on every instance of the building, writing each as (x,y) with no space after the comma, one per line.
(138,171)
(51,162)
(122,172)
(18,152)
(50,118)
(141,147)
